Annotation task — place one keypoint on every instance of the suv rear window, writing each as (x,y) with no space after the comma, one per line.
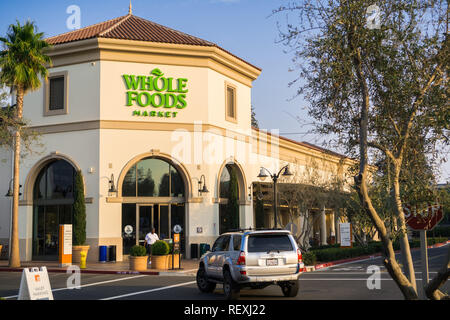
(269,242)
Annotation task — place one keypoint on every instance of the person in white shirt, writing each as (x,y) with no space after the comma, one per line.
(150,239)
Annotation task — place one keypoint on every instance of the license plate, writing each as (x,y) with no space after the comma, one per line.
(271,262)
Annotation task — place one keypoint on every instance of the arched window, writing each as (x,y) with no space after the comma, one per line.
(152,177)
(229,197)
(52,206)
(225,182)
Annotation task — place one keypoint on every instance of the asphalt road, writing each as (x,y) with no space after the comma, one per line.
(343,282)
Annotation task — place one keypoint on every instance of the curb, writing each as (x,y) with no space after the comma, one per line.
(372,256)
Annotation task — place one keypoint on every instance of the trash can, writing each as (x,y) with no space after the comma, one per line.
(112,253)
(204,247)
(102,253)
(194,250)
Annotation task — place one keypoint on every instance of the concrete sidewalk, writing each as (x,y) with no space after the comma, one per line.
(188,268)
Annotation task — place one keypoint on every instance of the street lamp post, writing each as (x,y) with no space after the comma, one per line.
(262,175)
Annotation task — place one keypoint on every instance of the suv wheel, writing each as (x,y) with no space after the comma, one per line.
(202,281)
(290,289)
(230,289)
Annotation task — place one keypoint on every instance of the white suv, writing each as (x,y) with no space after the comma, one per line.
(254,259)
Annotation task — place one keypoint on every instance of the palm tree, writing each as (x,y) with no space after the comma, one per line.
(22,63)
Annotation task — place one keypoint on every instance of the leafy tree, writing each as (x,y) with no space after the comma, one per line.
(9,124)
(79,211)
(309,189)
(254,121)
(381,91)
(22,63)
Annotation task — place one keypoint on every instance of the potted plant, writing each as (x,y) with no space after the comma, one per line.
(138,258)
(160,253)
(79,220)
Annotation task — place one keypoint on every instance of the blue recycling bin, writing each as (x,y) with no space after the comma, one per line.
(103,250)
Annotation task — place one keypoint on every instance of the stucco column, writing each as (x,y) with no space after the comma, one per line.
(323,226)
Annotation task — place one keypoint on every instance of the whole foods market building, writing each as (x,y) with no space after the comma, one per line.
(159,124)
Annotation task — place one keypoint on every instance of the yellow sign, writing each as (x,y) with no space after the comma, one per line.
(176,237)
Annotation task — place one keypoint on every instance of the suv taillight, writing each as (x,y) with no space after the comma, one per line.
(241,259)
(299,255)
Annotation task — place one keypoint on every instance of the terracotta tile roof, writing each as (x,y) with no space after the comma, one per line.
(84,33)
(131,27)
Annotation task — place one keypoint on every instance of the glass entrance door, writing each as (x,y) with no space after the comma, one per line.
(164,222)
(139,219)
(145,222)
(161,220)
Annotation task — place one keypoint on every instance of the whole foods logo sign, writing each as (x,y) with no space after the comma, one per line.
(167,95)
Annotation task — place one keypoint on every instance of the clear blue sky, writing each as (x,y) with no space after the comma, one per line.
(243,27)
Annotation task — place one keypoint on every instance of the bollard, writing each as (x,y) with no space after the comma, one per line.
(83,255)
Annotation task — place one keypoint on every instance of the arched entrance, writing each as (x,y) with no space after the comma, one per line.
(52,206)
(153,192)
(230,189)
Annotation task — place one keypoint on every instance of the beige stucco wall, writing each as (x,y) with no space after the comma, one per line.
(83,99)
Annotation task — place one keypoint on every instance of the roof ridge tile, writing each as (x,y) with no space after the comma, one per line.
(118,23)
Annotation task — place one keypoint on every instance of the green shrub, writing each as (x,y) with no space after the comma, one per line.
(440,231)
(309,258)
(79,212)
(333,253)
(138,251)
(336,245)
(160,248)
(431,241)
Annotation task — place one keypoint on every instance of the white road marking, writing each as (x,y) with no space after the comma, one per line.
(439,256)
(89,284)
(190,270)
(151,290)
(343,279)
(331,272)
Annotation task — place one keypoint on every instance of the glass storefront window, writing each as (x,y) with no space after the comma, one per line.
(225,182)
(129,183)
(152,177)
(53,200)
(176,183)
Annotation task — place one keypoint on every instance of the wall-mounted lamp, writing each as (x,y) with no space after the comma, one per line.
(203,189)
(10,190)
(112,187)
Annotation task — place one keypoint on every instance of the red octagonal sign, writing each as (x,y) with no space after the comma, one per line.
(426,219)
